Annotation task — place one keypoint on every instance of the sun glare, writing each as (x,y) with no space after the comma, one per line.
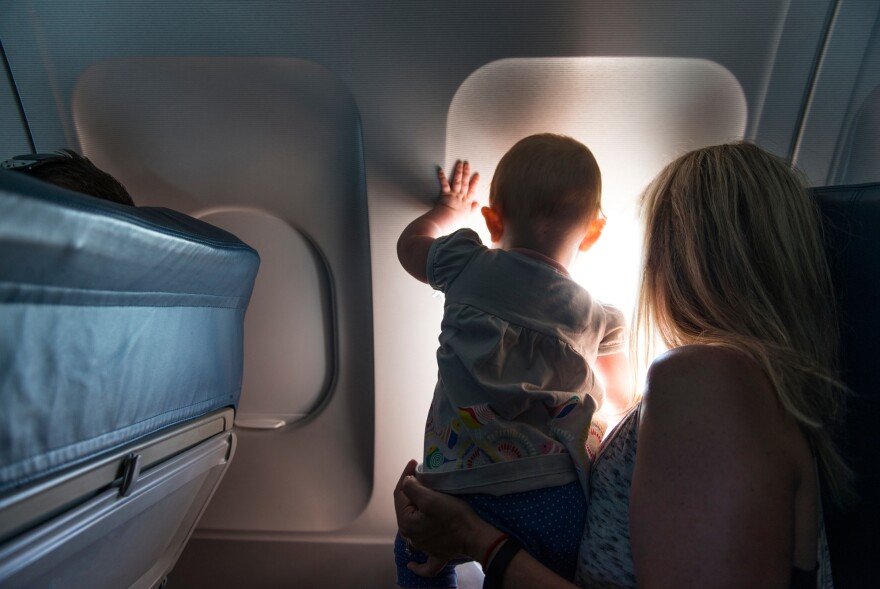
(635,114)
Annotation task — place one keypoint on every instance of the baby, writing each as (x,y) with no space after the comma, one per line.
(526,355)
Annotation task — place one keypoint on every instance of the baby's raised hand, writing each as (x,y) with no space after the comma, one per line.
(459,196)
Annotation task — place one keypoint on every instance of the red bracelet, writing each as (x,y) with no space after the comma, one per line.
(492,548)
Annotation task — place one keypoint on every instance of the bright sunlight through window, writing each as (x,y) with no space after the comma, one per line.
(636,114)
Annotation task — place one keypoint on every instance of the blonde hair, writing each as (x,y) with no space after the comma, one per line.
(547,182)
(733,256)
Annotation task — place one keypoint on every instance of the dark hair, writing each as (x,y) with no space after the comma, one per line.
(547,179)
(75,172)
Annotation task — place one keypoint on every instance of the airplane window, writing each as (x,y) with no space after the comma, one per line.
(635,114)
(290,270)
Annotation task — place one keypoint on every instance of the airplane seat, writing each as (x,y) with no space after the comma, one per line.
(851,215)
(120,370)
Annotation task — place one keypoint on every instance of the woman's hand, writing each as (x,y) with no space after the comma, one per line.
(446,527)
(439,524)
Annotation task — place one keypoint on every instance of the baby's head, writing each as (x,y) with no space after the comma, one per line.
(547,189)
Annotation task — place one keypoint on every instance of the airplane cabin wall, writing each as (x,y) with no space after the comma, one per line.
(14,137)
(402,64)
(847,71)
(860,145)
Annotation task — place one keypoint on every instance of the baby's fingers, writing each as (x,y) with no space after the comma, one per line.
(472,185)
(459,171)
(444,183)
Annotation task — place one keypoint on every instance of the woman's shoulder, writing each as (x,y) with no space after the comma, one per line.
(707,380)
(713,407)
(698,362)
(714,469)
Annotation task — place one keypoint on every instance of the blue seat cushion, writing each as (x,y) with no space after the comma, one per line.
(116,322)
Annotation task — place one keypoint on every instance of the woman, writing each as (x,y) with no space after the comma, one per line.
(713,479)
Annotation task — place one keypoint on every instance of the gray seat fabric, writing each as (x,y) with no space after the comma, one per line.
(116,322)
(852,219)
(120,368)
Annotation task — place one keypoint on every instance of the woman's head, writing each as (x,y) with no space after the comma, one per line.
(733,256)
(733,244)
(547,182)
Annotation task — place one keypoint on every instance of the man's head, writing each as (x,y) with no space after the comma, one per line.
(68,169)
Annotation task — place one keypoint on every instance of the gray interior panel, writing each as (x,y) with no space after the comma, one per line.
(14,139)
(863,157)
(841,87)
(857,160)
(391,56)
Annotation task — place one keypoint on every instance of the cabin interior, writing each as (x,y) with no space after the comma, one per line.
(311,131)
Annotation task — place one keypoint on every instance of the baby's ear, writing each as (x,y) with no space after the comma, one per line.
(593,233)
(494,223)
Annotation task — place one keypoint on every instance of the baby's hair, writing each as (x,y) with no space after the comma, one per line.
(547,182)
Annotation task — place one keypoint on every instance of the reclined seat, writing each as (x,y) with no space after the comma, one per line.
(852,219)
(120,369)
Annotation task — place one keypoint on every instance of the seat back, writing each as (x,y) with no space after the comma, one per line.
(120,367)
(852,219)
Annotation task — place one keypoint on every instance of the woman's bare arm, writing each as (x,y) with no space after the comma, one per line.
(711,502)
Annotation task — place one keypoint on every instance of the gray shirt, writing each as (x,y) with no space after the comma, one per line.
(516,392)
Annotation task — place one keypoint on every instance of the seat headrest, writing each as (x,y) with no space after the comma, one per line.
(55,237)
